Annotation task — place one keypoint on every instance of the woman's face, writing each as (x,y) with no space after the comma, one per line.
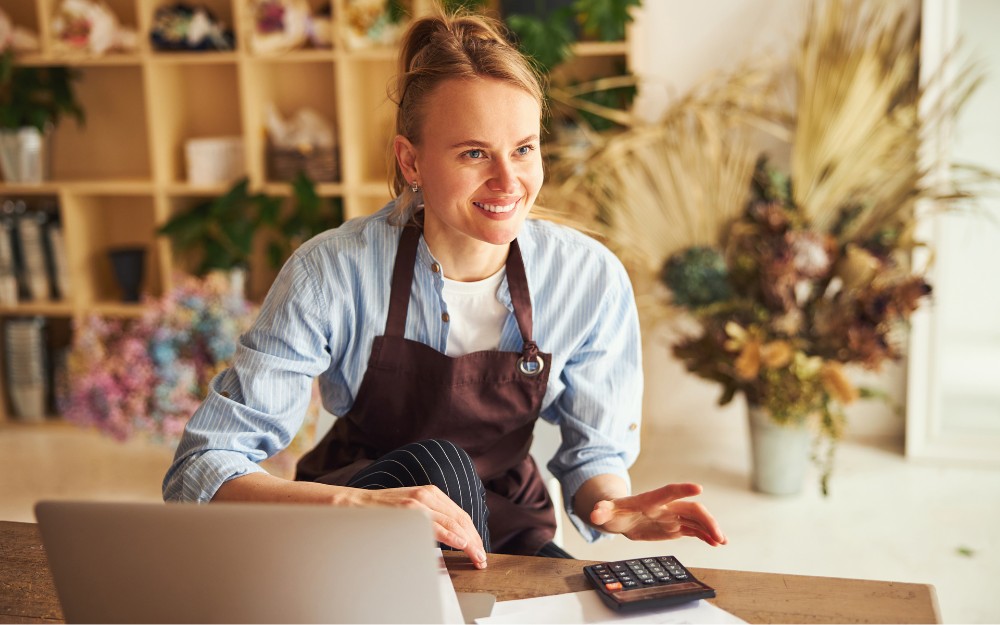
(478,161)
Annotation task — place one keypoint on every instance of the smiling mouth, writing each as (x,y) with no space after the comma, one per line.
(497,208)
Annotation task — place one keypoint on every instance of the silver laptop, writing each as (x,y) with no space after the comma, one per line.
(241,563)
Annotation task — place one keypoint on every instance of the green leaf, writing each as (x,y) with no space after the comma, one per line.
(605,19)
(547,41)
(269,209)
(36,96)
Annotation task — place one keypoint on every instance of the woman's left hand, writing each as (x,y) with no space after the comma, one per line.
(658,515)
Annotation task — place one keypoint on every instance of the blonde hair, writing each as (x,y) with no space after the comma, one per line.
(440,47)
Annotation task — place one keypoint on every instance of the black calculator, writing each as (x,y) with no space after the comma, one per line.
(645,583)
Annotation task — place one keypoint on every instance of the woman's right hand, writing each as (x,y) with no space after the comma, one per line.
(452,525)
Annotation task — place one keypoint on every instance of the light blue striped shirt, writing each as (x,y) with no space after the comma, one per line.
(330,301)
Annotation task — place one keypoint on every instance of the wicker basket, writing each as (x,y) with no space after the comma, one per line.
(320,164)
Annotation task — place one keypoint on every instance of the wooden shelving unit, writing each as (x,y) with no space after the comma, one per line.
(122,174)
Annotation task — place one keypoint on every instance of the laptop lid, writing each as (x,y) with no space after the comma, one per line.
(240,563)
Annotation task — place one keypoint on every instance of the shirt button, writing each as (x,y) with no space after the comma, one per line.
(225,394)
(436,268)
(632,427)
(445,317)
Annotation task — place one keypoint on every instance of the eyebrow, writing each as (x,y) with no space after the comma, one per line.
(473,143)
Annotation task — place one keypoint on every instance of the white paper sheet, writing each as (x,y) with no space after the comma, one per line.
(586,607)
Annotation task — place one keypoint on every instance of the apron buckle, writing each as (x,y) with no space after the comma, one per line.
(530,363)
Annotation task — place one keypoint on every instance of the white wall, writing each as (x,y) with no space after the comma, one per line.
(676,43)
(955,375)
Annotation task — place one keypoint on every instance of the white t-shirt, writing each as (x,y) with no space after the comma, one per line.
(476,317)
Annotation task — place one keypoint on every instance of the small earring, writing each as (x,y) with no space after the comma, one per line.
(415,186)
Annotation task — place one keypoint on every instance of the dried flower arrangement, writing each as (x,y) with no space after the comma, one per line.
(792,276)
(146,376)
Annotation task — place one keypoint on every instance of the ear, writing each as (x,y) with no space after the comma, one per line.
(406,156)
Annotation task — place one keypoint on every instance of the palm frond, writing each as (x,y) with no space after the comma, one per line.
(656,188)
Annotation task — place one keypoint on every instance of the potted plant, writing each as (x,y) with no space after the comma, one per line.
(783,283)
(32,102)
(309,215)
(222,230)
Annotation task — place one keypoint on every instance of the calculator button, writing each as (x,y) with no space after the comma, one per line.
(632,562)
(648,560)
(630,584)
(618,567)
(613,586)
(648,580)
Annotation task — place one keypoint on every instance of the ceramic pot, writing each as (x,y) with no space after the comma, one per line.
(24,155)
(779,453)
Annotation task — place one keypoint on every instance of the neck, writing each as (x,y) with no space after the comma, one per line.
(466,261)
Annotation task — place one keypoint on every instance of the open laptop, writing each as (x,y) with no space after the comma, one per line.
(243,563)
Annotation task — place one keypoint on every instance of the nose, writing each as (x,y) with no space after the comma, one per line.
(504,178)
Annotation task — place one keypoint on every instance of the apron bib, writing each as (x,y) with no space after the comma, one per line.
(485,402)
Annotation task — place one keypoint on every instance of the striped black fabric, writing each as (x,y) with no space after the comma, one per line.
(436,462)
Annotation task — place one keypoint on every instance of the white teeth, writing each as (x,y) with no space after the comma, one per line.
(494,208)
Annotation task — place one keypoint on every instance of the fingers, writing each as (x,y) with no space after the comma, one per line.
(696,517)
(659,514)
(650,503)
(666,494)
(603,512)
(452,525)
(454,533)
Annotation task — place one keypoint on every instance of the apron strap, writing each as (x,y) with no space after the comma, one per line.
(517,283)
(402,281)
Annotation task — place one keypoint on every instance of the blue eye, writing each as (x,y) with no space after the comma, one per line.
(524,150)
(474,153)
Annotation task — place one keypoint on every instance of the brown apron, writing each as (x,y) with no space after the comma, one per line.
(485,402)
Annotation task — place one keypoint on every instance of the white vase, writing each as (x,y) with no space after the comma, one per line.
(24,155)
(779,453)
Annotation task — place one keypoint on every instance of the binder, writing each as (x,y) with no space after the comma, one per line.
(8,270)
(26,368)
(58,264)
(35,275)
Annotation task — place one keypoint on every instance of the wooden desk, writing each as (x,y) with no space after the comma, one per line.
(27,594)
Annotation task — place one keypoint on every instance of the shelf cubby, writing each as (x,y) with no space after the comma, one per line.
(289,87)
(190,101)
(97,224)
(112,142)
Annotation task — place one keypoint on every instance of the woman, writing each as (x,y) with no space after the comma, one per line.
(441,328)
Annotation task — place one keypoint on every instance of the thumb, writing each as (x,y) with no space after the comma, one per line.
(603,512)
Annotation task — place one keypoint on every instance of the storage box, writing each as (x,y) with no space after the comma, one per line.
(214,160)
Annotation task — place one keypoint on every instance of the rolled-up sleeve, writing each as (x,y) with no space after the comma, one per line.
(254,409)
